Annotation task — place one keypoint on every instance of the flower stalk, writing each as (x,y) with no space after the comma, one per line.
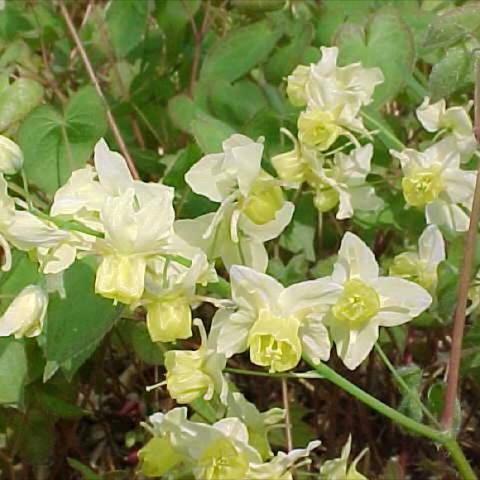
(464,282)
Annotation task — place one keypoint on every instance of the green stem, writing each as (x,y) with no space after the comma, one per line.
(413,395)
(257,373)
(442,438)
(385,132)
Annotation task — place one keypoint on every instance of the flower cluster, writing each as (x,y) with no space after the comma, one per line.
(148,259)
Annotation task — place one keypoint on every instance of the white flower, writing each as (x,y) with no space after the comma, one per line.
(277,324)
(11,157)
(333,96)
(433,179)
(367,301)
(344,183)
(24,317)
(338,469)
(421,267)
(278,467)
(252,208)
(455,120)
(138,225)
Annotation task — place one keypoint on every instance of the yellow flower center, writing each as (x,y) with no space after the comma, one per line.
(423,187)
(264,201)
(221,461)
(318,129)
(274,342)
(169,319)
(357,304)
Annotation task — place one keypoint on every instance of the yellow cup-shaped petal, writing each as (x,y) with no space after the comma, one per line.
(157,457)
(357,304)
(222,461)
(296,86)
(264,201)
(274,342)
(186,380)
(121,277)
(169,319)
(318,129)
(422,187)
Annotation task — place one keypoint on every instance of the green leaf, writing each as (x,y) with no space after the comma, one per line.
(175,176)
(54,143)
(294,271)
(137,335)
(285,59)
(386,42)
(78,322)
(435,402)
(210,133)
(182,111)
(13,370)
(18,100)
(452,26)
(87,473)
(300,234)
(452,72)
(410,403)
(126,21)
(240,51)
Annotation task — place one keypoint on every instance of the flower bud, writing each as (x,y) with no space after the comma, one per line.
(318,129)
(326,197)
(296,87)
(25,315)
(169,319)
(274,342)
(11,157)
(121,278)
(290,166)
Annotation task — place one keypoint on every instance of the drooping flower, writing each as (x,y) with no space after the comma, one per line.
(275,323)
(170,290)
(455,121)
(193,374)
(338,469)
(343,183)
(367,301)
(434,180)
(252,208)
(138,225)
(24,317)
(11,157)
(421,267)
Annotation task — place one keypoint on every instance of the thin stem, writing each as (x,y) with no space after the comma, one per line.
(257,373)
(463,285)
(91,73)
(442,438)
(384,131)
(413,395)
(288,422)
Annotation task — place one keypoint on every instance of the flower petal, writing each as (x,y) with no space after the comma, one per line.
(431,246)
(400,300)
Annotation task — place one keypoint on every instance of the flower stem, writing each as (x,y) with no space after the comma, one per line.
(464,283)
(408,423)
